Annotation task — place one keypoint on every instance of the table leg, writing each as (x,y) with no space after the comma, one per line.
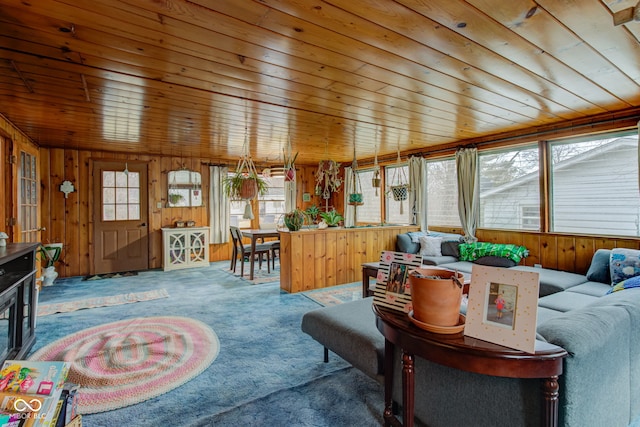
(388,383)
(253,255)
(407,389)
(550,393)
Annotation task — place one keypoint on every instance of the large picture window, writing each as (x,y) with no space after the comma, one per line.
(442,193)
(510,189)
(594,185)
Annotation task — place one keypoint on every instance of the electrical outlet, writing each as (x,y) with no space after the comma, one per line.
(537,265)
(159,205)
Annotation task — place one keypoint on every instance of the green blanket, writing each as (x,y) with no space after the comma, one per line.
(473,251)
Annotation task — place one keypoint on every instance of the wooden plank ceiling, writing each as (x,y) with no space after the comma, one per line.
(210,78)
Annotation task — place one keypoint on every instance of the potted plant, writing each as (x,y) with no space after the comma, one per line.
(244,186)
(332,218)
(355,199)
(290,167)
(50,253)
(295,219)
(313,211)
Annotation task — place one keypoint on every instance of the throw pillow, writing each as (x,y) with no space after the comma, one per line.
(430,246)
(599,268)
(623,264)
(495,261)
(633,282)
(450,249)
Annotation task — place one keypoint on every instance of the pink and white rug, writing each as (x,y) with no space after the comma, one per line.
(127,362)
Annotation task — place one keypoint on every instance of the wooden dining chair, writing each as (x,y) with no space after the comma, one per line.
(244,250)
(275,246)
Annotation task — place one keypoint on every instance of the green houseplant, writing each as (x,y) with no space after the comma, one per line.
(313,211)
(244,186)
(332,218)
(295,219)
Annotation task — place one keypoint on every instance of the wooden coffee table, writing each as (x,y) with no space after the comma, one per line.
(464,353)
(369,269)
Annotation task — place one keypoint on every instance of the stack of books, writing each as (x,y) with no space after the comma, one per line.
(36,394)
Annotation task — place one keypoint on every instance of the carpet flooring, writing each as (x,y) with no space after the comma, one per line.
(263,353)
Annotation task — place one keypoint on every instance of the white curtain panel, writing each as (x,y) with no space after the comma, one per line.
(218,205)
(468,191)
(349,210)
(289,196)
(418,193)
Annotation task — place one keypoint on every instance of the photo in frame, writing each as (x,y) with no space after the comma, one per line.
(503,307)
(392,289)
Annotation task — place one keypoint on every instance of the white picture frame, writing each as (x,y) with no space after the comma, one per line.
(391,289)
(503,307)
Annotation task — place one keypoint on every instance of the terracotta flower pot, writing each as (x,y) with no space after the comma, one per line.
(249,189)
(436,301)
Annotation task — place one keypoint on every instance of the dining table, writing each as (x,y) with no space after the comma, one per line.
(254,234)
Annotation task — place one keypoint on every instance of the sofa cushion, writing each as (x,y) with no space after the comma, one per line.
(595,289)
(495,261)
(463,266)
(623,264)
(430,246)
(552,281)
(566,301)
(599,268)
(404,244)
(438,260)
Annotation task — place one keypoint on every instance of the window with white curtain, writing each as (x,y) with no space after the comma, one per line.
(271,205)
(397,211)
(509,183)
(370,211)
(594,185)
(442,193)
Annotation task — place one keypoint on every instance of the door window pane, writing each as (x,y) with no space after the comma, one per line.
(120,196)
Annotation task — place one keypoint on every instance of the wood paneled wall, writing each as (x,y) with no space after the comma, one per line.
(552,250)
(70,220)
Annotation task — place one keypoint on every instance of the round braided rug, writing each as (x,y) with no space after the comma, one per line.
(126,362)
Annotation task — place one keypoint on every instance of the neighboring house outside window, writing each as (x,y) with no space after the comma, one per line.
(442,193)
(508,181)
(594,185)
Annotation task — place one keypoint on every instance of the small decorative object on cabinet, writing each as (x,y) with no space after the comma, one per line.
(18,299)
(185,247)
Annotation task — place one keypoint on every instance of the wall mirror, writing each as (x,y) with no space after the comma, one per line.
(184,188)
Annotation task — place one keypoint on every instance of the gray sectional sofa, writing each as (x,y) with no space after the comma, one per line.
(600,385)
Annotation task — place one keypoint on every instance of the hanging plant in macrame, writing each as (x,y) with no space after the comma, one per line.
(399,187)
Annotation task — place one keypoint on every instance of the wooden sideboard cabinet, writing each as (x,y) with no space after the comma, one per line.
(18,299)
(186,247)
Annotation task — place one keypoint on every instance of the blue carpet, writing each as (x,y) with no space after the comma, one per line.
(268,371)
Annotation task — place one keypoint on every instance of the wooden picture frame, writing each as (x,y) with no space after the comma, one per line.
(391,290)
(503,307)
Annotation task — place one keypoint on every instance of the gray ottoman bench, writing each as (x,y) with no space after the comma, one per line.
(349,330)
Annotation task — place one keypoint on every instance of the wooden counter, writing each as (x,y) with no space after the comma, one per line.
(313,258)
